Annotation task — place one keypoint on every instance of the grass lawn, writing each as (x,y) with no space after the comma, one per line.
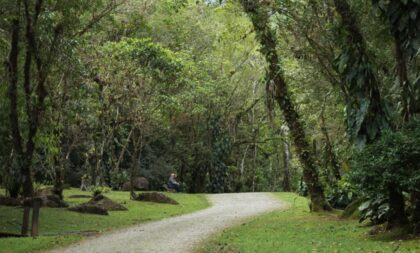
(297,231)
(61,227)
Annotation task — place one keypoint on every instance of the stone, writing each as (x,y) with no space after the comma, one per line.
(140,184)
(6,235)
(106,203)
(377,229)
(53,201)
(8,201)
(155,197)
(49,199)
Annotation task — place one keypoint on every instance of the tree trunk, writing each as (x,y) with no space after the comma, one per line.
(59,179)
(396,216)
(260,18)
(286,162)
(330,156)
(27,187)
(198,179)
(242,168)
(25,220)
(13,74)
(286,159)
(415,201)
(13,178)
(14,189)
(36,206)
(135,160)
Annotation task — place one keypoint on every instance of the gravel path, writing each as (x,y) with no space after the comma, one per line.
(179,234)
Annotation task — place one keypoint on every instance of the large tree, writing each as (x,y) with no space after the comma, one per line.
(259,13)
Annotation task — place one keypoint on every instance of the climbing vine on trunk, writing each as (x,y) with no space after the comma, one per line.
(259,14)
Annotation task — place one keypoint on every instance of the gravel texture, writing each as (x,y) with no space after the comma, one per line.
(180,234)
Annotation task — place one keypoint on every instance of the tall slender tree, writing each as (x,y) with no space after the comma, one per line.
(259,12)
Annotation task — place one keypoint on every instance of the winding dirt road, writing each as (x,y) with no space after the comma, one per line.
(180,234)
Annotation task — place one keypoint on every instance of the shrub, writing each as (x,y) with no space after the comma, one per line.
(118,178)
(100,189)
(375,209)
(390,163)
(341,195)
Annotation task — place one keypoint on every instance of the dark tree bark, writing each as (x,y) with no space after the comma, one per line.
(397,216)
(34,99)
(259,15)
(198,179)
(33,109)
(13,74)
(137,139)
(415,201)
(330,157)
(59,176)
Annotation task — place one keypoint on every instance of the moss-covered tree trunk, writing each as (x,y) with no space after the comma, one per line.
(259,14)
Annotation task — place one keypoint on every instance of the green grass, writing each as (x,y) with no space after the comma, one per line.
(296,230)
(61,227)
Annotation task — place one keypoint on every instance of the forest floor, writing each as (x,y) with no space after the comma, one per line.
(296,230)
(59,226)
(180,234)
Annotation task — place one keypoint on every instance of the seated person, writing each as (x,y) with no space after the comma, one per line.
(173,184)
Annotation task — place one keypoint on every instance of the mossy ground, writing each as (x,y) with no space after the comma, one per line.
(60,227)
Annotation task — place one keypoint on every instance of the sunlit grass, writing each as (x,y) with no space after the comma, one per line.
(296,230)
(59,226)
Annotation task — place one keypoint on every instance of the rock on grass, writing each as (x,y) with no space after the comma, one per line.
(106,203)
(8,201)
(49,199)
(99,204)
(155,197)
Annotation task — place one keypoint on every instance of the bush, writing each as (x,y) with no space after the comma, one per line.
(389,163)
(118,179)
(375,209)
(341,195)
(303,189)
(100,189)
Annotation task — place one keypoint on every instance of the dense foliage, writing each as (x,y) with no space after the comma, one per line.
(231,95)
(391,162)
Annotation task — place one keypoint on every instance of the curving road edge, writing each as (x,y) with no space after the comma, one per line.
(180,234)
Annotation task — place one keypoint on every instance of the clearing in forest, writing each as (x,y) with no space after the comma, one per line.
(180,234)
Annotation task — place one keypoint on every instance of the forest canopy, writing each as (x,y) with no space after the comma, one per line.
(316,97)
